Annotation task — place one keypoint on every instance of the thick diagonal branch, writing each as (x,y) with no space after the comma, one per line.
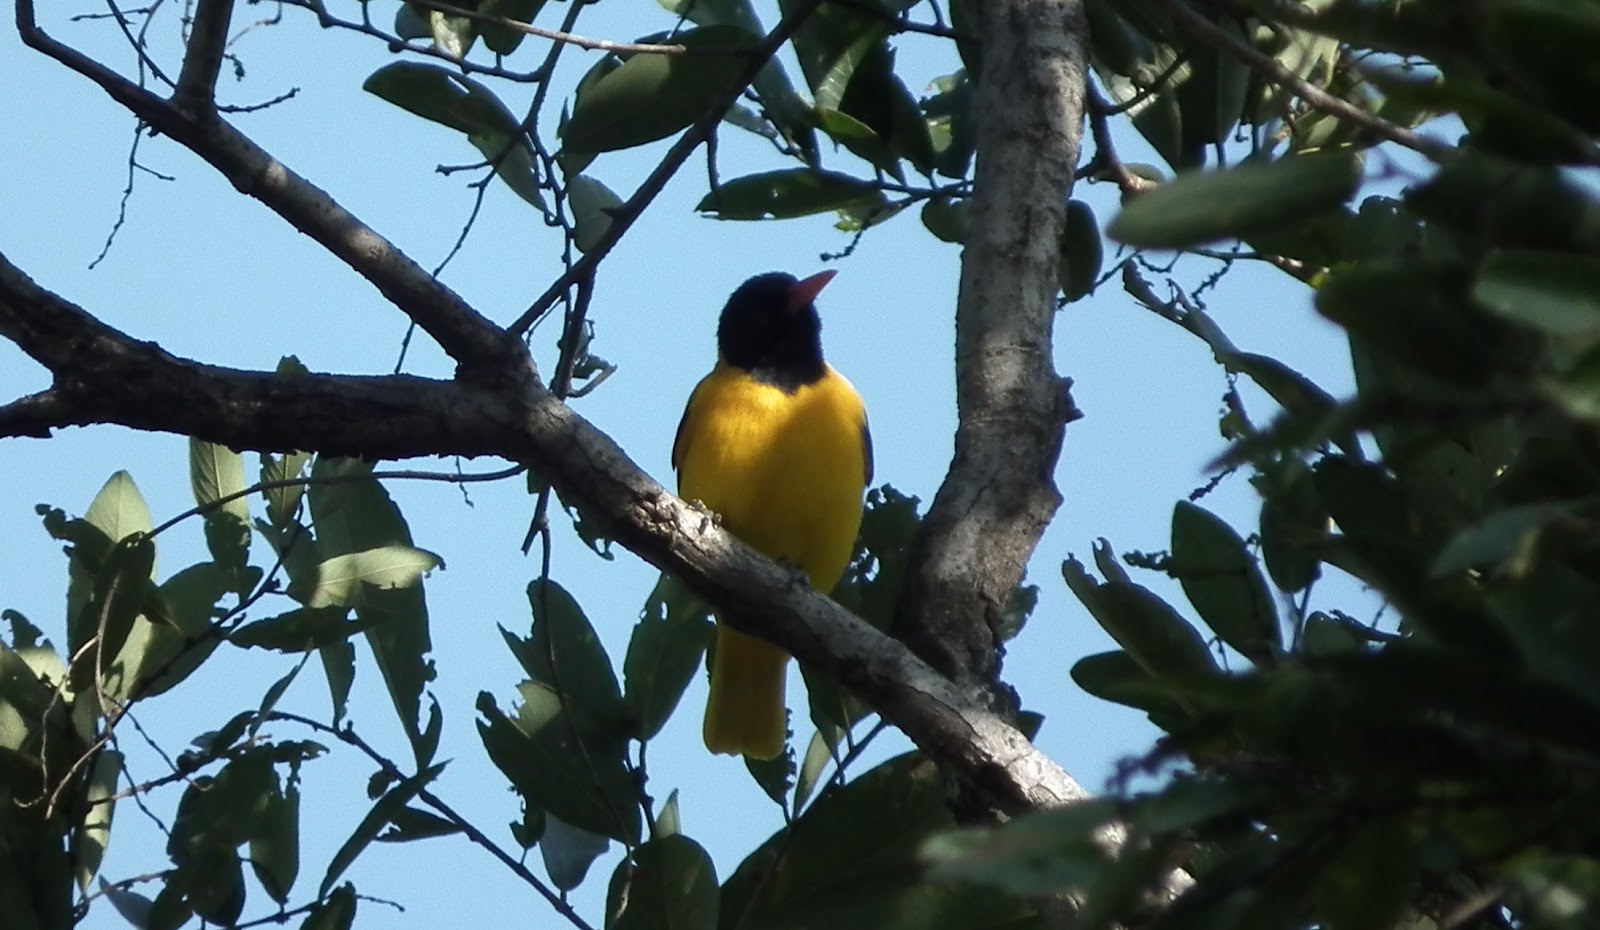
(102,375)
(482,350)
(1000,492)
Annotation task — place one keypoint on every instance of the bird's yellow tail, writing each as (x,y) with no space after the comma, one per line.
(745,712)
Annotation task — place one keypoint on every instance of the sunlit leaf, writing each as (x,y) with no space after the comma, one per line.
(1203,207)
(653,96)
(787,193)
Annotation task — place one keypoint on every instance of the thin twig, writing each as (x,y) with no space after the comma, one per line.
(1198,27)
(347,735)
(1106,163)
(623,217)
(394,475)
(398,44)
(568,38)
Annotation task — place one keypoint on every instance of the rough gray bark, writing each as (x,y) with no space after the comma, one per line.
(1000,492)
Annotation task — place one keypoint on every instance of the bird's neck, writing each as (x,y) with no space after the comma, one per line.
(787,371)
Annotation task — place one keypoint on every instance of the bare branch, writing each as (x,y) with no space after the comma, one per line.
(1000,492)
(202,61)
(1106,162)
(34,415)
(482,349)
(623,216)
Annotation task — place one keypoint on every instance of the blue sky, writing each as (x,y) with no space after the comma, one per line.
(211,275)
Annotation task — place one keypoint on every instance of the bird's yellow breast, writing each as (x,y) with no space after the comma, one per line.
(785,472)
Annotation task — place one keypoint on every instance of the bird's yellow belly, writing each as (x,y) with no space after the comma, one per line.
(784,473)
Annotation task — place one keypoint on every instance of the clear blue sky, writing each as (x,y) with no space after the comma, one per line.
(211,275)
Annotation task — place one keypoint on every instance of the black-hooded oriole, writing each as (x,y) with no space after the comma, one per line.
(775,442)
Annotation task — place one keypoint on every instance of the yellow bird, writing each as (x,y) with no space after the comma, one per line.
(775,442)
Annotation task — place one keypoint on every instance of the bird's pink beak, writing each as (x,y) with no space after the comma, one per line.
(802,293)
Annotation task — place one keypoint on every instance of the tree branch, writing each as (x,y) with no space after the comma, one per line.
(202,60)
(104,376)
(1207,32)
(481,349)
(568,38)
(623,216)
(1000,492)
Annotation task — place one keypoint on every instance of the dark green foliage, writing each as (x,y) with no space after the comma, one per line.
(1352,777)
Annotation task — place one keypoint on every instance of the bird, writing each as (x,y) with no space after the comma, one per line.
(775,442)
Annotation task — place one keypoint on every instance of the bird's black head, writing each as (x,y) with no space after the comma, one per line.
(770,328)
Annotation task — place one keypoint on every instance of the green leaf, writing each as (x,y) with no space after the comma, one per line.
(119,510)
(1417,313)
(215,886)
(339,666)
(335,912)
(93,832)
(860,139)
(575,774)
(411,824)
(946,219)
(565,654)
(1292,524)
(952,130)
(1115,676)
(670,883)
(831,43)
(452,100)
(1160,640)
(775,775)
(411,22)
(569,851)
(170,910)
(851,861)
(282,503)
(435,93)
(592,204)
(1202,207)
(301,629)
(275,844)
(1554,294)
(663,655)
(215,816)
(1504,538)
(1042,853)
(787,193)
(121,590)
(342,579)
(216,472)
(1368,880)
(1082,252)
(819,753)
(453,35)
(654,96)
(667,821)
(132,906)
(357,516)
(1224,583)
(501,40)
(773,88)
(378,817)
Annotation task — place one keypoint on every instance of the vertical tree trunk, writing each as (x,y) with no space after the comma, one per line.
(1000,492)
